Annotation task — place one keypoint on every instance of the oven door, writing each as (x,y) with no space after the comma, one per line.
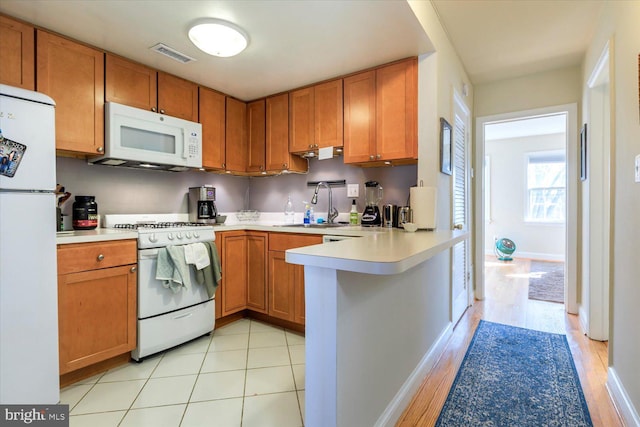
(154,298)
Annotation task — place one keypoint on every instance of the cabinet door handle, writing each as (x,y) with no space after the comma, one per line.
(153,109)
(224,165)
(100,257)
(100,149)
(133,269)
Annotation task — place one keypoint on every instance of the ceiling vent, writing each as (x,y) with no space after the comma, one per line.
(165,50)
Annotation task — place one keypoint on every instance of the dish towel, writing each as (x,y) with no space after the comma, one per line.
(172,269)
(211,274)
(197,254)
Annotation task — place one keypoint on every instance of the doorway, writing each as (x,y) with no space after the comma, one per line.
(525,190)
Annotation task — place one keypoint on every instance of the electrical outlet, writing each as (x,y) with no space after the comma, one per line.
(638,168)
(353,190)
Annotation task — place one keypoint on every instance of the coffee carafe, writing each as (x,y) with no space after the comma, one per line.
(372,196)
(202,206)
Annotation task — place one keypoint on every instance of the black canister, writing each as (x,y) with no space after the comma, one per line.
(85,213)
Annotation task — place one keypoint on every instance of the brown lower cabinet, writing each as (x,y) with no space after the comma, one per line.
(96,302)
(256,277)
(244,272)
(286,281)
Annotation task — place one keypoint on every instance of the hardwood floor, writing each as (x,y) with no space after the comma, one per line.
(506,302)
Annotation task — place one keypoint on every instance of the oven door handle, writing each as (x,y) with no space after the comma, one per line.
(147,254)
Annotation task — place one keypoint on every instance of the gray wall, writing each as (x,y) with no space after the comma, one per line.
(122,190)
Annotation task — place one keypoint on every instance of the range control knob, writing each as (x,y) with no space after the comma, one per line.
(153,238)
(179,235)
(188,234)
(196,235)
(170,236)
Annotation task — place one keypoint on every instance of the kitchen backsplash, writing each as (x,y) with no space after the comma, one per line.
(122,190)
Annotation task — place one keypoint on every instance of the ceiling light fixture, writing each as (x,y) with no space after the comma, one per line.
(218,38)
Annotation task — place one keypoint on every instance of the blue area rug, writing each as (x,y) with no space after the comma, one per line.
(516,377)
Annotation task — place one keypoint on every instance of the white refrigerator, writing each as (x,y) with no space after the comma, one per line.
(29,370)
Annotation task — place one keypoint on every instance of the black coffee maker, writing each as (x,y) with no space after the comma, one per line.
(372,196)
(202,206)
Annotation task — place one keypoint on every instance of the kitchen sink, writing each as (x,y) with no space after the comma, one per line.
(323,225)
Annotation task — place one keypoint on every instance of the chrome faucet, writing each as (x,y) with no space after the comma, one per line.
(332,212)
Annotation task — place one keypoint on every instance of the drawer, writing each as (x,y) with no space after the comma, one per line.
(284,241)
(93,256)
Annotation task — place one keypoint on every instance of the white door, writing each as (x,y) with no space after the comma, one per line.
(461,280)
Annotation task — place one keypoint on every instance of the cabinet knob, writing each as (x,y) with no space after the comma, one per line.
(284,165)
(153,109)
(371,157)
(100,149)
(224,165)
(161,111)
(100,257)
(133,269)
(315,145)
(310,145)
(378,156)
(261,168)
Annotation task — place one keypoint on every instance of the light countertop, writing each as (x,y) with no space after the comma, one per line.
(376,250)
(97,235)
(383,253)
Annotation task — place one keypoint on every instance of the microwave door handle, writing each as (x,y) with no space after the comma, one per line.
(185,146)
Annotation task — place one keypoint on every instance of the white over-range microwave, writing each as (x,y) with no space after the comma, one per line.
(143,139)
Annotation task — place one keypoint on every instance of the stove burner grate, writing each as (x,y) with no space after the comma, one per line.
(160,225)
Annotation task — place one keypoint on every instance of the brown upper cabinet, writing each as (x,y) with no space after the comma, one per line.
(256,136)
(236,136)
(212,106)
(17,59)
(73,75)
(315,117)
(381,114)
(142,87)
(130,83)
(278,157)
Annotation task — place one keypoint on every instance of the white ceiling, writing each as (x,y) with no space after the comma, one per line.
(298,42)
(499,39)
(292,43)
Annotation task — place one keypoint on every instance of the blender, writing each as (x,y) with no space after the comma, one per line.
(372,196)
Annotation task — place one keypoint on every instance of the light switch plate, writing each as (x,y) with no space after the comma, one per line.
(638,168)
(353,190)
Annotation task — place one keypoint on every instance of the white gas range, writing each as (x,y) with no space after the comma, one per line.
(166,318)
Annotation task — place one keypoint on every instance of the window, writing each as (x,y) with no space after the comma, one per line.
(546,186)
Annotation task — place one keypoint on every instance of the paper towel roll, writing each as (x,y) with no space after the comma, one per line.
(423,205)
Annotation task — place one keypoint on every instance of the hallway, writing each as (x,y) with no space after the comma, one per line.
(507,302)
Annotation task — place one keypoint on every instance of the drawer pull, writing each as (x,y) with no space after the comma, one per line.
(133,269)
(183,316)
(100,257)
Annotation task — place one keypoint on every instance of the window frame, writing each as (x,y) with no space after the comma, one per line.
(528,219)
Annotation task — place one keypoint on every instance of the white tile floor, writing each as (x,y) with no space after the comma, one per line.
(246,374)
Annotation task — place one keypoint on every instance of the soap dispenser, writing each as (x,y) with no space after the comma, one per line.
(353,215)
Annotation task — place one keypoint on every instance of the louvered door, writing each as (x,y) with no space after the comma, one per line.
(460,213)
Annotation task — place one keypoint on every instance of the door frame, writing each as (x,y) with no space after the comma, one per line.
(571,224)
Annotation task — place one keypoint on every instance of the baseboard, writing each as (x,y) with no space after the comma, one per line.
(532,255)
(621,400)
(584,320)
(401,400)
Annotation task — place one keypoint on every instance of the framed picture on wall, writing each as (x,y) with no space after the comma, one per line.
(446,148)
(583,153)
